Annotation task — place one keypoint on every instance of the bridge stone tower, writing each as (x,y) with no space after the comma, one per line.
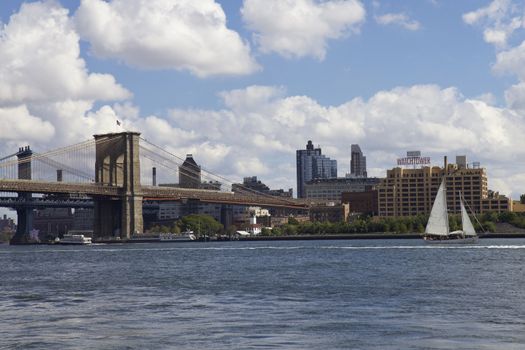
(24,214)
(117,164)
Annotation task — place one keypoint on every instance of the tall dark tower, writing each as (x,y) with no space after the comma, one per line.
(357,162)
(25,215)
(311,164)
(189,173)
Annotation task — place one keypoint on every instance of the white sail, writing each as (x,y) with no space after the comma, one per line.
(438,220)
(465,220)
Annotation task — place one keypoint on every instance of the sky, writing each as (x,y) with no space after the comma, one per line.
(243,84)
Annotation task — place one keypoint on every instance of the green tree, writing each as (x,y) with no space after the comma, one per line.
(454,223)
(490,216)
(489,226)
(402,228)
(266,231)
(507,216)
(289,230)
(292,221)
(306,228)
(277,231)
(175,228)
(230,231)
(154,229)
(201,224)
(5,235)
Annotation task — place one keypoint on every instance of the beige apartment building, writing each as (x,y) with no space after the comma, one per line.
(408,192)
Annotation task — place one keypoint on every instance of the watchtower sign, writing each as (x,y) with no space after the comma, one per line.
(413,158)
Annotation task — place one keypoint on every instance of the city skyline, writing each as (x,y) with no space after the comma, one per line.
(245,85)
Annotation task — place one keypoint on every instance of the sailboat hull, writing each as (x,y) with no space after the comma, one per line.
(451,239)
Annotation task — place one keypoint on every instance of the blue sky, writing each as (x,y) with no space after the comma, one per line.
(243,84)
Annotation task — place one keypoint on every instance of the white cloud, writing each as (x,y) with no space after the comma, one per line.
(46,91)
(507,183)
(400,19)
(440,119)
(515,96)
(495,12)
(500,19)
(298,28)
(261,127)
(495,36)
(511,61)
(40,60)
(250,165)
(488,98)
(164,132)
(159,34)
(244,100)
(18,124)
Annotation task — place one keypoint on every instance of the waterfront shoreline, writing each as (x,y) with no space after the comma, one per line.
(354,236)
(367,236)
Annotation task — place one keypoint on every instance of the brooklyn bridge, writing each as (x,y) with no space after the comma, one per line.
(105,173)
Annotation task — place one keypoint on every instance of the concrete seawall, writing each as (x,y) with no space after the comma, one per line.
(367,236)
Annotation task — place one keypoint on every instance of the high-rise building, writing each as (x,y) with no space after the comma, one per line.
(189,173)
(311,164)
(324,167)
(357,162)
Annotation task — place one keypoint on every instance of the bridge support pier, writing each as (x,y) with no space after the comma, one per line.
(23,227)
(117,164)
(107,217)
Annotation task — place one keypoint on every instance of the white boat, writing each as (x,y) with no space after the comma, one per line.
(438,231)
(182,237)
(74,239)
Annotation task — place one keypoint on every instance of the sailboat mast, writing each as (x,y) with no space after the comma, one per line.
(446,204)
(461,206)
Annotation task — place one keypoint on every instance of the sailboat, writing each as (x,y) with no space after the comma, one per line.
(437,230)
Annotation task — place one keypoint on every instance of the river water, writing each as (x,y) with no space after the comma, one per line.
(364,294)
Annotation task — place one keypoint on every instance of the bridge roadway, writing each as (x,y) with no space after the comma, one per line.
(149,193)
(210,196)
(80,189)
(44,202)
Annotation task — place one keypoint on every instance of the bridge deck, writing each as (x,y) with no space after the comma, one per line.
(210,196)
(33,186)
(149,193)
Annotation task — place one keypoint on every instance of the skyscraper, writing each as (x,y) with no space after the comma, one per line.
(311,164)
(357,162)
